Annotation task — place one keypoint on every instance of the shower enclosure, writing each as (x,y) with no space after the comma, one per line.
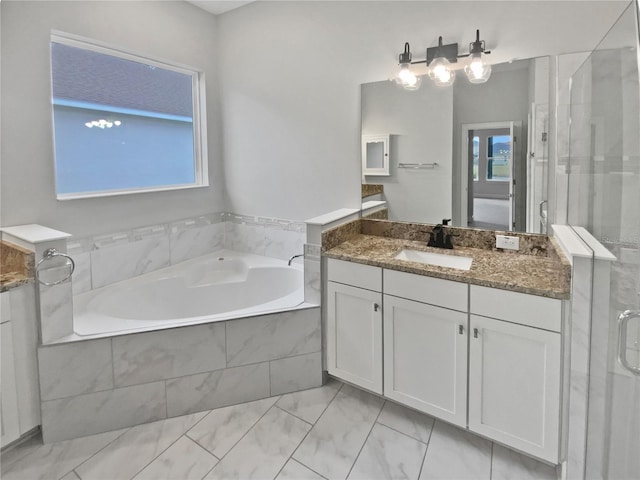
(604,203)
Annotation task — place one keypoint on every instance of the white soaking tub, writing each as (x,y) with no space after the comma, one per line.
(215,287)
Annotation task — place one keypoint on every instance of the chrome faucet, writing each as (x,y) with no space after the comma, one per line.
(294,256)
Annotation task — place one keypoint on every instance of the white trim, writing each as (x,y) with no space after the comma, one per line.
(464,163)
(113,193)
(199,123)
(600,252)
(572,245)
(86,43)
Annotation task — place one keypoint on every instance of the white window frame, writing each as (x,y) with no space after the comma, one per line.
(199,113)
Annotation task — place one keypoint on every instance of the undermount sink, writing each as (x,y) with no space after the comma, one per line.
(438,259)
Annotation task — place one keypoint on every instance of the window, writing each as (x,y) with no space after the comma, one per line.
(123,123)
(498,156)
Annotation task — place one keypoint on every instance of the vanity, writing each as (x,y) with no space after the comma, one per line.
(477,344)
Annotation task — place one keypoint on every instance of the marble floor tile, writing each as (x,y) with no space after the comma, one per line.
(337,437)
(309,404)
(332,432)
(388,454)
(15,453)
(184,460)
(508,465)
(54,460)
(134,450)
(456,454)
(222,428)
(71,476)
(296,471)
(264,449)
(404,420)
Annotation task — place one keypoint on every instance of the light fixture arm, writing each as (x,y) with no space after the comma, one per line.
(405,57)
(449,51)
(476,47)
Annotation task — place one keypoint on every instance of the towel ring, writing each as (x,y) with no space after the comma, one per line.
(48,254)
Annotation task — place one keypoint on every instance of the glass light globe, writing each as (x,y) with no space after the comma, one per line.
(406,79)
(478,70)
(441,73)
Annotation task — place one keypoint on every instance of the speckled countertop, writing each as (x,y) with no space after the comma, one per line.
(16,266)
(545,275)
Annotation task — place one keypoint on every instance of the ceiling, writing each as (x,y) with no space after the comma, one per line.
(218,6)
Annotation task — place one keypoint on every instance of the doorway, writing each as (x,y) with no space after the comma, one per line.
(490,186)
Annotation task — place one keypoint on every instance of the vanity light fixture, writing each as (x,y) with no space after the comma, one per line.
(477,70)
(439,60)
(405,78)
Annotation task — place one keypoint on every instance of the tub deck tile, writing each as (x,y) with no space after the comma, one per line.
(81,415)
(205,391)
(151,356)
(271,337)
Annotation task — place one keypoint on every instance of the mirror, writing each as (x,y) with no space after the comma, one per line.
(476,153)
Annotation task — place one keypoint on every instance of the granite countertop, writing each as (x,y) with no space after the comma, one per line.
(16,266)
(547,276)
(9,280)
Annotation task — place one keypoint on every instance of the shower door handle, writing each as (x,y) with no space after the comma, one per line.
(623,321)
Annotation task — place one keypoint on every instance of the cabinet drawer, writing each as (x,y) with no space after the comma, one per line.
(435,291)
(356,274)
(522,308)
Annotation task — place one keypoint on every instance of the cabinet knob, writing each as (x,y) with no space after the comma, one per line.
(461,329)
(375,307)
(475,333)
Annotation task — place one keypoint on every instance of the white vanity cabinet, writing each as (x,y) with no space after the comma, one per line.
(482,358)
(425,344)
(8,401)
(514,370)
(20,398)
(354,324)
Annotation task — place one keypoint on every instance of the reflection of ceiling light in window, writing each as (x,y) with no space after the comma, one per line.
(102,123)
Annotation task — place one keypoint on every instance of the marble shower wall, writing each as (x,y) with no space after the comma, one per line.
(107,259)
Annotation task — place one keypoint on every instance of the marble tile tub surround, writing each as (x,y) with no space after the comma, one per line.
(538,268)
(105,259)
(94,386)
(16,265)
(333,431)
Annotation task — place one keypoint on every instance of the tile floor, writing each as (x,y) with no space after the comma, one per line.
(332,432)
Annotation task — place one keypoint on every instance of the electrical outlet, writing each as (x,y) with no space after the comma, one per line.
(507,242)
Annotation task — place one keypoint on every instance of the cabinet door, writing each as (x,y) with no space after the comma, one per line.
(354,335)
(8,399)
(425,359)
(514,385)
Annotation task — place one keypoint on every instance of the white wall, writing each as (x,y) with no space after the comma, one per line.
(176,31)
(290,76)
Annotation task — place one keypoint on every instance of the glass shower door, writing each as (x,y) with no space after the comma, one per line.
(604,198)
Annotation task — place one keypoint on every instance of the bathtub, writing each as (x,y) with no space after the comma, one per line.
(215,287)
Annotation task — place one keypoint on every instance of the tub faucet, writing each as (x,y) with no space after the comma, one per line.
(294,256)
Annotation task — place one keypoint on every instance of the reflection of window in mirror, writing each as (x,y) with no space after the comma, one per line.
(476,155)
(498,155)
(375,154)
